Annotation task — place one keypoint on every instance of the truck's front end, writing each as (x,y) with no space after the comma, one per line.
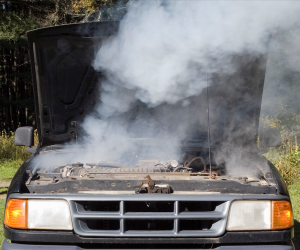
(212,189)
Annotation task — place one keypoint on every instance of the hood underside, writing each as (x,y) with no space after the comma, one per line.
(67,86)
(65,82)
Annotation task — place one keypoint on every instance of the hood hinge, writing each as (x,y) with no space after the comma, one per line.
(73,130)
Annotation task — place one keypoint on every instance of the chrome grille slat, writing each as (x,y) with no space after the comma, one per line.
(216,219)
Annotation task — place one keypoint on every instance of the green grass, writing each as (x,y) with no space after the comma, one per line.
(2,206)
(8,169)
(3,190)
(294,191)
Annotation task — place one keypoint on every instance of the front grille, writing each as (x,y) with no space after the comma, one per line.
(150,216)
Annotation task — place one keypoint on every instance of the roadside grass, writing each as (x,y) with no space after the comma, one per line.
(294,191)
(2,206)
(8,169)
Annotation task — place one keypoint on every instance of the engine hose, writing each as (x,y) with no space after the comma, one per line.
(198,158)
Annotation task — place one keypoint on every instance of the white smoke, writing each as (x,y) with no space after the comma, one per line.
(164,48)
(160,61)
(161,57)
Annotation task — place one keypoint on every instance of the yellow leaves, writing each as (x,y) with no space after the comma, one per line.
(84,5)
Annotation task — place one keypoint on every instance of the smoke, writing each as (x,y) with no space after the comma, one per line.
(165,48)
(280,98)
(164,56)
(158,65)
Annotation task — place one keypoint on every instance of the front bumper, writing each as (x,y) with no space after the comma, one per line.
(14,246)
(229,238)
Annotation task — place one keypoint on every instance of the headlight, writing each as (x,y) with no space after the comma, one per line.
(38,214)
(260,215)
(49,214)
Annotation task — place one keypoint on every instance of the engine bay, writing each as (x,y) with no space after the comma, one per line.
(194,172)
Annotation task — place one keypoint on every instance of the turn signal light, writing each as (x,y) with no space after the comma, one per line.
(282,215)
(257,215)
(16,214)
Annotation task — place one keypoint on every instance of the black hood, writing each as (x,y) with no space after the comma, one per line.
(63,77)
(65,85)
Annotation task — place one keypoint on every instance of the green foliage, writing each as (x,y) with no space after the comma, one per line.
(16,93)
(8,150)
(285,120)
(100,10)
(288,163)
(287,157)
(13,25)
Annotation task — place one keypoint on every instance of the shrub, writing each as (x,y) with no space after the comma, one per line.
(286,158)
(8,150)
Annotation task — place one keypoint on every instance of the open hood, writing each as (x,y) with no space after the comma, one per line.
(66,86)
(63,77)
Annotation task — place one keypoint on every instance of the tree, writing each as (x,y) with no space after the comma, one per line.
(16,99)
(16,18)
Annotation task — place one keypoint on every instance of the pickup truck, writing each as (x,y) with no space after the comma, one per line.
(217,192)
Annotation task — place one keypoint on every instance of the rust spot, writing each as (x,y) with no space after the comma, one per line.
(61,190)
